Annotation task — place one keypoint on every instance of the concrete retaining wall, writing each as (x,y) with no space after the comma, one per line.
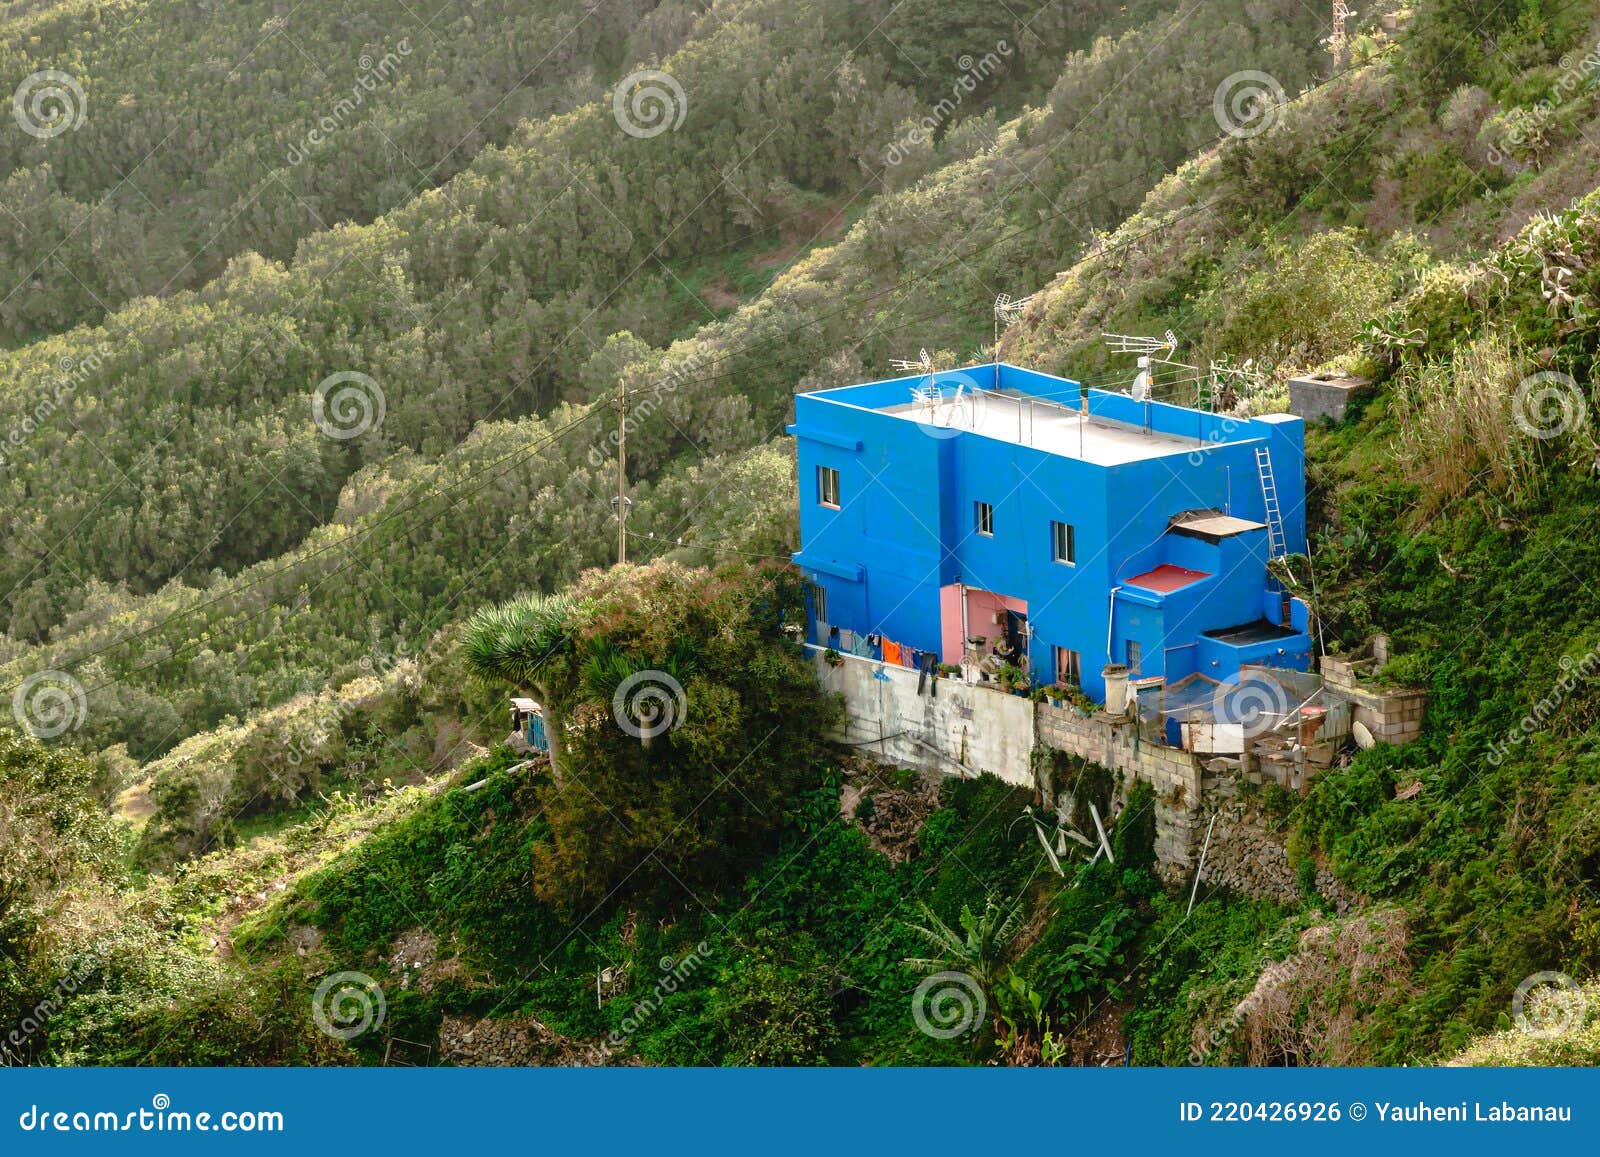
(959,730)
(963,729)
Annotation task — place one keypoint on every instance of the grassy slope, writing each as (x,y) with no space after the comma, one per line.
(538,518)
(185,159)
(1493,864)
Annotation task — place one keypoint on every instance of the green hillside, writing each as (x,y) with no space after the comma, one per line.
(291,683)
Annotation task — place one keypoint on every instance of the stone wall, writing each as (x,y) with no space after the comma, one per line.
(1117,744)
(1247,854)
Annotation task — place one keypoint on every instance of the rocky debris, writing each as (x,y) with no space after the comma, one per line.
(896,814)
(518,1040)
(1249,858)
(304,939)
(414,960)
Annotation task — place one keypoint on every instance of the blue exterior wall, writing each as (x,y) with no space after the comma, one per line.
(907,525)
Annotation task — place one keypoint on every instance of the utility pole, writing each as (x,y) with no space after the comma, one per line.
(622,473)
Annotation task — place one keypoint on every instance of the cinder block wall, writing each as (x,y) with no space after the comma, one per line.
(1175,775)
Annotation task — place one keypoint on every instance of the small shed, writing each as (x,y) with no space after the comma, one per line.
(527,721)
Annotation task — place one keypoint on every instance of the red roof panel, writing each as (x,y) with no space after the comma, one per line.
(1166,578)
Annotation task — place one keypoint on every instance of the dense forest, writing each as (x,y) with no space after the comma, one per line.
(311,455)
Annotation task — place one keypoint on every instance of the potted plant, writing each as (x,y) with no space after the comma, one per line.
(832,658)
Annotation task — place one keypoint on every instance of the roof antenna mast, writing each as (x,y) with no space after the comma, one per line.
(1007,310)
(1338,41)
(1149,351)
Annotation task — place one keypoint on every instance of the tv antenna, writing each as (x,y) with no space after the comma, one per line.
(1007,310)
(1149,351)
(924,363)
(1127,343)
(1337,40)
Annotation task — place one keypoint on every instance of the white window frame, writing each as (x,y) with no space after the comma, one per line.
(828,481)
(984,518)
(1057,527)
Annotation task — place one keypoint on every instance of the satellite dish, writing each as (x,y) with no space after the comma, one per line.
(1141,384)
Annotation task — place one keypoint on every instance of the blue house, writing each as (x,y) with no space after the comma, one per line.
(998,517)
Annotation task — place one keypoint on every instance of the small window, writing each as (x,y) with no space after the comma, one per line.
(1063,543)
(1133,658)
(1067,667)
(819,602)
(985,519)
(828,486)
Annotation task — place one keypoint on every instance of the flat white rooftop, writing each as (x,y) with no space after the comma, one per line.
(1045,426)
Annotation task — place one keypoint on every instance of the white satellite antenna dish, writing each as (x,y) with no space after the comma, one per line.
(1151,351)
(1141,382)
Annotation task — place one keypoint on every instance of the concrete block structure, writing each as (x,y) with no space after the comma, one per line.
(1318,396)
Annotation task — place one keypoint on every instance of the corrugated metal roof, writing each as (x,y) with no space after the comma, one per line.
(1212,525)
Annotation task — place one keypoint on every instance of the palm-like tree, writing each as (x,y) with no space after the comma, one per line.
(527,642)
(979,949)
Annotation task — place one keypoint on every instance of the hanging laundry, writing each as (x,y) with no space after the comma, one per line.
(847,640)
(891,653)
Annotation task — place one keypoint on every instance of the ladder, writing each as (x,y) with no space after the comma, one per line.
(1276,547)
